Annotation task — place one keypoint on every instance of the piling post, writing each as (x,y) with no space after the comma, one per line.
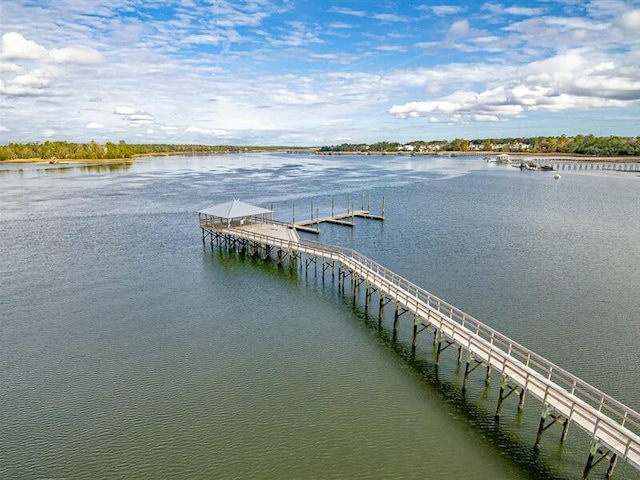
(543,418)
(565,430)
(414,339)
(367,298)
(369,202)
(501,397)
(521,400)
(383,205)
(439,349)
(593,450)
(333,206)
(466,373)
(312,209)
(354,284)
(317,219)
(362,201)
(396,317)
(612,466)
(293,213)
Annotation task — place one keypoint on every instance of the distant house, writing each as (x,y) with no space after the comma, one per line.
(407,148)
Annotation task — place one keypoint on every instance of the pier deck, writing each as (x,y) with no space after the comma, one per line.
(614,428)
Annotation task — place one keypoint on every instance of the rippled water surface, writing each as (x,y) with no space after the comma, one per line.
(129,350)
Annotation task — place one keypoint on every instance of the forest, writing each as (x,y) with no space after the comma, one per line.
(98,151)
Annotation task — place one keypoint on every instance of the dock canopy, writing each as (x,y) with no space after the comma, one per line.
(234,209)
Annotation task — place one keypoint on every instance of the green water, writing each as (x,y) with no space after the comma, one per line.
(130,351)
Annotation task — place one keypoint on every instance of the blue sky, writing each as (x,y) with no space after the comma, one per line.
(304,72)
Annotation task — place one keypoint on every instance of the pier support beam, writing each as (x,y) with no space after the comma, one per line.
(369,291)
(440,348)
(505,391)
(469,369)
(543,426)
(414,337)
(398,312)
(596,455)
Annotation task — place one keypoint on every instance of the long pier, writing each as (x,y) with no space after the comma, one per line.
(582,165)
(614,428)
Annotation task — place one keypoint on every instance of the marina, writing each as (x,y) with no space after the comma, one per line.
(613,428)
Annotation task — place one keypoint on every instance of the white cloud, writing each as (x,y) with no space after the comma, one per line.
(37,79)
(33,83)
(630,21)
(3,129)
(216,132)
(124,110)
(10,67)
(389,17)
(564,82)
(79,55)
(14,46)
(524,11)
(484,118)
(348,11)
(94,125)
(141,117)
(391,48)
(458,29)
(205,39)
(442,10)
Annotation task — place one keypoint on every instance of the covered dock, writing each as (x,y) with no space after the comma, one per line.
(227,217)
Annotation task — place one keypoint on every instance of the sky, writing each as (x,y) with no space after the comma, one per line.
(316,72)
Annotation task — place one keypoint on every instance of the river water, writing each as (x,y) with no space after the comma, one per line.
(129,350)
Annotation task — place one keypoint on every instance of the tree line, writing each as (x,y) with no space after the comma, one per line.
(109,150)
(579,144)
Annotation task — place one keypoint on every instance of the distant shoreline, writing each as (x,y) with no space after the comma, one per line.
(547,155)
(105,161)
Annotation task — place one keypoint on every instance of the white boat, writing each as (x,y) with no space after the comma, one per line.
(503,158)
(557,176)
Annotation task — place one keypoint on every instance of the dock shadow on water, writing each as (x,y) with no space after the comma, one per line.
(510,435)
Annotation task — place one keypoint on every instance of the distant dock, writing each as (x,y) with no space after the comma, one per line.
(346,219)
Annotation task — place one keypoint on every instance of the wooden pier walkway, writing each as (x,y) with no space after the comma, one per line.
(572,164)
(614,428)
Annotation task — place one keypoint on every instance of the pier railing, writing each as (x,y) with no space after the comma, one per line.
(608,416)
(614,409)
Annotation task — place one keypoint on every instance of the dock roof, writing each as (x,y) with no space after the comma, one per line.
(234,209)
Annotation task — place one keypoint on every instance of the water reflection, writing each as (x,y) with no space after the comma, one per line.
(38,168)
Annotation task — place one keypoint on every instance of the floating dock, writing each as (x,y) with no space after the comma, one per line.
(614,428)
(346,219)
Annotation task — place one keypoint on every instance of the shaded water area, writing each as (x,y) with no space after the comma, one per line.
(129,350)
